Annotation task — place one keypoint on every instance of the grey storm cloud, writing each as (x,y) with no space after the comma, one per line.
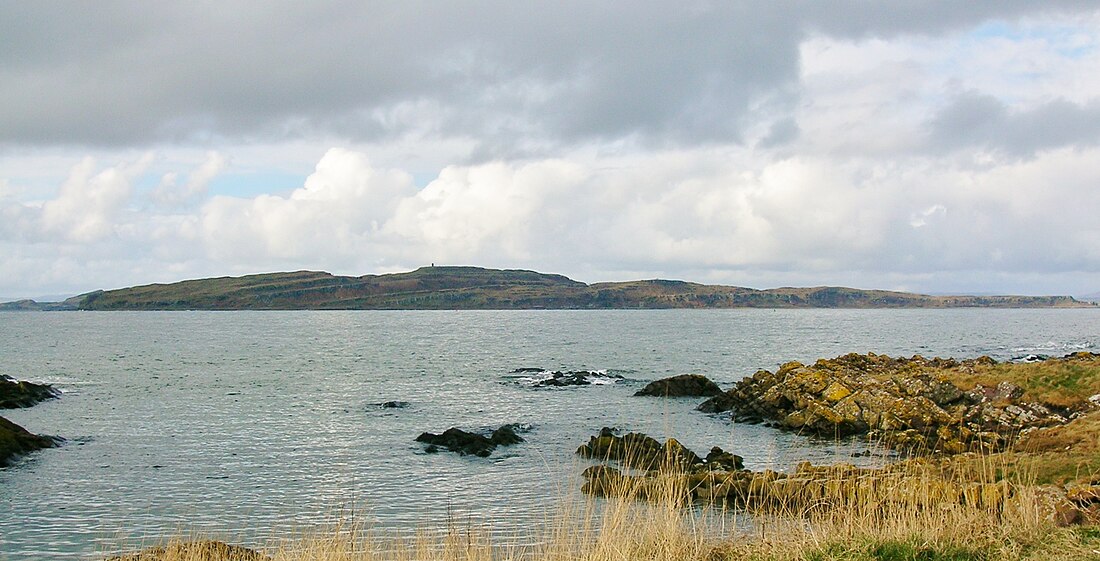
(979,120)
(118,74)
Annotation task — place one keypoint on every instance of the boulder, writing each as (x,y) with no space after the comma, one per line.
(505,436)
(639,451)
(684,385)
(469,443)
(15,394)
(720,460)
(15,441)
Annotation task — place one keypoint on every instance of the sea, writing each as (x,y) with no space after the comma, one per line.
(253,426)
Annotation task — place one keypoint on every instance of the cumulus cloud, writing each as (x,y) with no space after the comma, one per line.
(170,193)
(87,207)
(337,213)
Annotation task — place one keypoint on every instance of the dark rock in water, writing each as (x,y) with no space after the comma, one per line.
(470,443)
(505,436)
(684,385)
(207,550)
(15,394)
(16,441)
(639,451)
(393,405)
(526,370)
(720,460)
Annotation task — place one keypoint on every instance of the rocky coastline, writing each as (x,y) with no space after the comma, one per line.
(16,441)
(1038,420)
(915,405)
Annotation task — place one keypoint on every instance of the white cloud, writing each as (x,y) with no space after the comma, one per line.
(88,204)
(924,217)
(170,194)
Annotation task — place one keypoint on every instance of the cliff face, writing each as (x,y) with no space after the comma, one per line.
(477,288)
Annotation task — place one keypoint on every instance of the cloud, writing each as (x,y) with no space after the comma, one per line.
(972,120)
(336,214)
(169,193)
(87,207)
(501,73)
(926,216)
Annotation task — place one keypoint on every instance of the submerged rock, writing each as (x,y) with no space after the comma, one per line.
(204,550)
(684,385)
(470,443)
(393,405)
(16,394)
(16,441)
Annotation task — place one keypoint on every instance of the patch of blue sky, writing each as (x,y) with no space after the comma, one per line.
(422,178)
(251,184)
(1069,41)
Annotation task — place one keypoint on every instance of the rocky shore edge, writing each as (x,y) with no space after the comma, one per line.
(971,432)
(16,441)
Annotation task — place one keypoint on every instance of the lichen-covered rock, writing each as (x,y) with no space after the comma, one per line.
(907,402)
(16,441)
(15,393)
(684,385)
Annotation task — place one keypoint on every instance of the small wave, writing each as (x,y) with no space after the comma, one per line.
(1030,358)
(541,378)
(1054,346)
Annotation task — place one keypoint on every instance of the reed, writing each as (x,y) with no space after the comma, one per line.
(898,513)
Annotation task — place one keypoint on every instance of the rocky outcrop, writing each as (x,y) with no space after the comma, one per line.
(204,550)
(807,487)
(469,443)
(16,441)
(636,450)
(684,385)
(16,394)
(907,403)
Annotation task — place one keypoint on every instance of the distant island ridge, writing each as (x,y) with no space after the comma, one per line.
(475,288)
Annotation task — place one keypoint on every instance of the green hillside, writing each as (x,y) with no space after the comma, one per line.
(429,288)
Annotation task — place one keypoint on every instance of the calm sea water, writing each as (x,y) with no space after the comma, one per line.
(248,425)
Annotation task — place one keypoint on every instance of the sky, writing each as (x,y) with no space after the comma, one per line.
(937,147)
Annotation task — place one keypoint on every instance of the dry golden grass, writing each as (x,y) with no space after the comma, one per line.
(667,528)
(1063,382)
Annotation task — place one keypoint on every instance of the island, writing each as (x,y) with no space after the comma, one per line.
(475,288)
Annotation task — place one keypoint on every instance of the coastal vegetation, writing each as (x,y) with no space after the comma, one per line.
(431,288)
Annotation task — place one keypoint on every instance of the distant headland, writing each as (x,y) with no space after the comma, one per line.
(475,288)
